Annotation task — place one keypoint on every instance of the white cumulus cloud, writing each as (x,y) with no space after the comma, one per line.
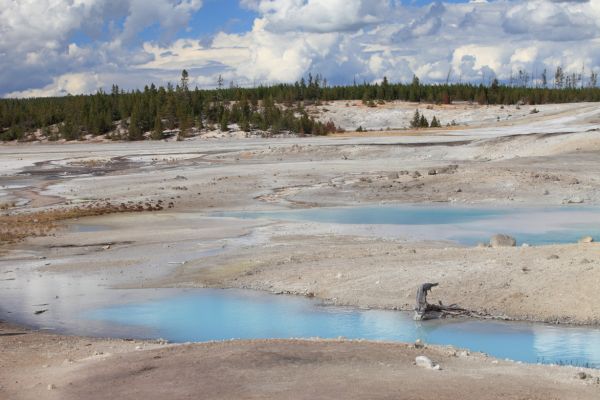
(344,40)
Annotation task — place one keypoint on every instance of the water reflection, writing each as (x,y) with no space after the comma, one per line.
(226,314)
(570,345)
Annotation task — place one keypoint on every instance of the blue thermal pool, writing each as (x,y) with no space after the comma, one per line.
(465,225)
(205,314)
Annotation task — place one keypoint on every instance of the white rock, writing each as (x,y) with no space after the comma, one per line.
(573,200)
(586,239)
(424,362)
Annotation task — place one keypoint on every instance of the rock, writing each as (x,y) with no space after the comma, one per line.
(51,386)
(419,344)
(482,245)
(582,375)
(546,193)
(586,239)
(525,245)
(501,240)
(553,257)
(432,172)
(573,200)
(416,174)
(424,362)
(450,169)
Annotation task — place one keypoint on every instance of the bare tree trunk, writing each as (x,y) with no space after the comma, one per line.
(424,310)
(422,305)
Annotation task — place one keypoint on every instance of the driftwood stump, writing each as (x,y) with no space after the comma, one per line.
(424,310)
(422,306)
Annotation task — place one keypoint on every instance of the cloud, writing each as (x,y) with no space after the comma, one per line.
(36,46)
(556,21)
(340,39)
(321,16)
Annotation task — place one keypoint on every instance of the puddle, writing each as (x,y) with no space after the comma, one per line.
(465,225)
(207,314)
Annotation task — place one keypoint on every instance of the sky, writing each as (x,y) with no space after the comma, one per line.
(59,47)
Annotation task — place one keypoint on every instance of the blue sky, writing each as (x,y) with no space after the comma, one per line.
(55,47)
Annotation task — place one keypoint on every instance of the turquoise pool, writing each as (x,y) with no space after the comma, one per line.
(465,225)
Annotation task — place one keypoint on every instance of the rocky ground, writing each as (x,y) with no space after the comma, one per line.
(546,158)
(45,366)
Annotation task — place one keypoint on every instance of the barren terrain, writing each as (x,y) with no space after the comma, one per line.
(59,367)
(548,158)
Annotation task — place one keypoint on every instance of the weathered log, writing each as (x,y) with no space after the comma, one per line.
(422,291)
(424,310)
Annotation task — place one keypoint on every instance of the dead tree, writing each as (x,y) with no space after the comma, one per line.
(424,310)
(422,306)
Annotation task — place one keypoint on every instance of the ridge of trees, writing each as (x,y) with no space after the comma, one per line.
(273,109)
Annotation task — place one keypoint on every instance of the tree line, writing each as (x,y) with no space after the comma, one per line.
(273,109)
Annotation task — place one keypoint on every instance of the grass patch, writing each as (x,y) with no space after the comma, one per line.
(18,226)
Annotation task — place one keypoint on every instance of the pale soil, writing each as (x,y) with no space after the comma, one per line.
(45,366)
(349,115)
(537,159)
(549,283)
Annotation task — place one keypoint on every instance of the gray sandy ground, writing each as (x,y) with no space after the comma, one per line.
(45,366)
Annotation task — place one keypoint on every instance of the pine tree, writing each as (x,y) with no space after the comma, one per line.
(157,132)
(69,131)
(559,77)
(423,123)
(225,121)
(435,123)
(134,133)
(184,80)
(244,123)
(415,90)
(415,122)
